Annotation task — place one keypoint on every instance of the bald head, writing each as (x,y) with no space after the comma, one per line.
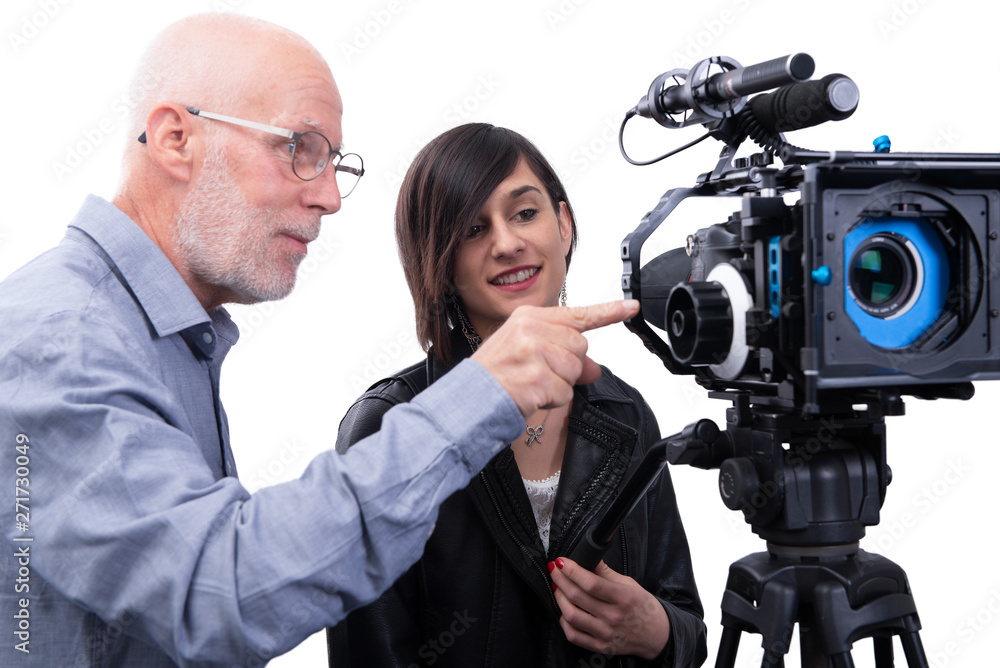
(214,61)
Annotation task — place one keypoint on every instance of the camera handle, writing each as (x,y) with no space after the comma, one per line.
(597,539)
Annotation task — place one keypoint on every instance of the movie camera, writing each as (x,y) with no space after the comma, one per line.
(813,317)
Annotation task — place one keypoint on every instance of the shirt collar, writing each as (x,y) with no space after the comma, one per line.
(157,286)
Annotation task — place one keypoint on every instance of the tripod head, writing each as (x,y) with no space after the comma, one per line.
(806,481)
(801,480)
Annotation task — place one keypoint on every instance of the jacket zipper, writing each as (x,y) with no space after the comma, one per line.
(513,536)
(621,530)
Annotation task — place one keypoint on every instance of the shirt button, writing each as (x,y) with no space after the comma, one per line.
(207,337)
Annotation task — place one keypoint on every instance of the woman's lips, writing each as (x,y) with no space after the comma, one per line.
(517,279)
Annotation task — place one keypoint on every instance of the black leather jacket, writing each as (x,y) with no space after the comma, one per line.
(481,593)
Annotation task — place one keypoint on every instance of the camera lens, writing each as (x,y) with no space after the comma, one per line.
(699,320)
(897,278)
(882,274)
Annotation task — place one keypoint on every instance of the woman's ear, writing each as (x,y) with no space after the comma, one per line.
(171,140)
(565,228)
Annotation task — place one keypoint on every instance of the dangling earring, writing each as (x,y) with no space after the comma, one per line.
(467,329)
(562,295)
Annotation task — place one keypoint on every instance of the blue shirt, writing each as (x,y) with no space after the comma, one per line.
(129,539)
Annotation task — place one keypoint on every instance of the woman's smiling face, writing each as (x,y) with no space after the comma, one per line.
(514,252)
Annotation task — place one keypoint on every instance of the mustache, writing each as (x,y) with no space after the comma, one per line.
(305,234)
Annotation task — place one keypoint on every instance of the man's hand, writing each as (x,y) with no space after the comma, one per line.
(539,354)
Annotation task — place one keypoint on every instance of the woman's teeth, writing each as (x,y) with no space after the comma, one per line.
(509,279)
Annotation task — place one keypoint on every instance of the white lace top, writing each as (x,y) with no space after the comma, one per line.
(542,494)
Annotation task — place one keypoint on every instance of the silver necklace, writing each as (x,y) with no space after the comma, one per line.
(535,433)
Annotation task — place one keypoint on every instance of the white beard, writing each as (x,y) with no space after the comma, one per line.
(224,240)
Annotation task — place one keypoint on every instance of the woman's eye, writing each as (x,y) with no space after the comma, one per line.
(475,231)
(526,215)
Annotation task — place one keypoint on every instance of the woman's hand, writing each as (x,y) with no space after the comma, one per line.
(606,612)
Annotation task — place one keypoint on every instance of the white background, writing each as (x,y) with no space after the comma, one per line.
(563,73)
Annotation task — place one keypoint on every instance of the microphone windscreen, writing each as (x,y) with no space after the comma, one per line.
(803,105)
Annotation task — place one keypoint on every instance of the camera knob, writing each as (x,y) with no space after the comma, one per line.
(699,321)
(738,482)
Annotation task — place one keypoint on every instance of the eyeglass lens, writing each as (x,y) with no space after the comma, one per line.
(313,151)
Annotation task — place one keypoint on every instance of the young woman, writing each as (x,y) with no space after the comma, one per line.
(484,226)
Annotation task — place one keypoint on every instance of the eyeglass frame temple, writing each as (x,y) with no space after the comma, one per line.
(281,132)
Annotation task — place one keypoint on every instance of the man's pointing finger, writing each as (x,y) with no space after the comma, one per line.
(585,318)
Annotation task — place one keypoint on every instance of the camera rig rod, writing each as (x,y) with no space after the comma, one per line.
(793,155)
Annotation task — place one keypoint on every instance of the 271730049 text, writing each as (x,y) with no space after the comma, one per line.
(22,543)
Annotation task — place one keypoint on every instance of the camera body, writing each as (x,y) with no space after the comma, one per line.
(885,273)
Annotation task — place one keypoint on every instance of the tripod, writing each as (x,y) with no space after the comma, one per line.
(808,485)
(837,595)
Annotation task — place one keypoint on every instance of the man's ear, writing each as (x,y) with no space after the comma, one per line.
(171,141)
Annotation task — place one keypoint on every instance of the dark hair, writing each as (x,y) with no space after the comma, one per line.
(443,192)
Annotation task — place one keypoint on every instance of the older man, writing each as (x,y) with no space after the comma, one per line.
(130,540)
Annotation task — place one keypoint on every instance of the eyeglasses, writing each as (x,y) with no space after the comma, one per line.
(311,152)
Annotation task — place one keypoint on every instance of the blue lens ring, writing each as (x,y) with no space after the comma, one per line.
(930,295)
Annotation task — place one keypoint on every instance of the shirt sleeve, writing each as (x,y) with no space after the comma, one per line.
(131,523)
(383,633)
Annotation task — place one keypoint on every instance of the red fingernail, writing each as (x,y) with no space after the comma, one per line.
(553,586)
(560,563)
(552,565)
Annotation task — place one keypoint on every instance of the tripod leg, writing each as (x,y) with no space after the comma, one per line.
(883,652)
(772,660)
(913,649)
(811,647)
(728,645)
(842,660)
